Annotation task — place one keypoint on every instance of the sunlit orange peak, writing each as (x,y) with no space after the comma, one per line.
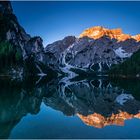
(99,31)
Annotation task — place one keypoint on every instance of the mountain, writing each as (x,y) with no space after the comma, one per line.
(96,49)
(55,50)
(16,44)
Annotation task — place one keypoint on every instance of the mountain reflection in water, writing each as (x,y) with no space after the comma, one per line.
(97,102)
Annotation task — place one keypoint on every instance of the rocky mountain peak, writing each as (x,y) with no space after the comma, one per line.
(99,31)
(10,28)
(136,37)
(5,7)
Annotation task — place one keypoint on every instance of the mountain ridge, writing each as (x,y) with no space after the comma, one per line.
(97,32)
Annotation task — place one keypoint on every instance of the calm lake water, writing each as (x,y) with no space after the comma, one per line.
(59,108)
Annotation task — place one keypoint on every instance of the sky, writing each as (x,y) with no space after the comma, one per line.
(54,20)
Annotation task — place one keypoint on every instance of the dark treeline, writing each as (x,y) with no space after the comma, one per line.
(129,68)
(9,55)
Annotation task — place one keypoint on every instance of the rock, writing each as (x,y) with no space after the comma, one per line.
(97,50)
(33,47)
(10,28)
(54,51)
(100,54)
(5,7)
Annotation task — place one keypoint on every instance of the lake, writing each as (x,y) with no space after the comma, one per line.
(63,108)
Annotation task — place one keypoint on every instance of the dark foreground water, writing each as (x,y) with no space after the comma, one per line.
(59,108)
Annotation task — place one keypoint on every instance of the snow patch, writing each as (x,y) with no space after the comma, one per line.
(121,53)
(87,66)
(121,99)
(67,67)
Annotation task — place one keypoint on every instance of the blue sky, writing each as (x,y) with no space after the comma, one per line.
(55,20)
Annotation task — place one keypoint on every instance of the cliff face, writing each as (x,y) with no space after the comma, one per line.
(10,29)
(30,48)
(55,51)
